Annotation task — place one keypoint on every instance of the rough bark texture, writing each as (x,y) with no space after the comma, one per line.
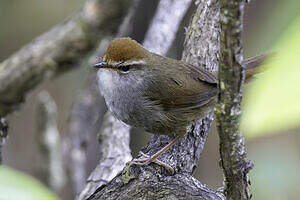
(58,50)
(153,181)
(3,134)
(48,137)
(228,110)
(137,183)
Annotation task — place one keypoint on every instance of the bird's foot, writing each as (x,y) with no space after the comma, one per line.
(146,160)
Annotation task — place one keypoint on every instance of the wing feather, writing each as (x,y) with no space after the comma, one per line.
(181,87)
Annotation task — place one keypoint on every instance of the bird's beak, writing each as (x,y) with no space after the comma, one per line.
(101,65)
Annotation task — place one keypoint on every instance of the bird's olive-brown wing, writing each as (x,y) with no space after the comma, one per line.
(181,86)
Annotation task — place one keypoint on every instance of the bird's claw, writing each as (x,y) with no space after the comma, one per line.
(145,160)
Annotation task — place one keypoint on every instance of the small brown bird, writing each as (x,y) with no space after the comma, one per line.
(156,93)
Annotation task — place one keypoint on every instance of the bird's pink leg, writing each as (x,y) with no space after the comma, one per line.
(148,159)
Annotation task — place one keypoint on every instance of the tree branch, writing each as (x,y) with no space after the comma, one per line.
(57,50)
(228,110)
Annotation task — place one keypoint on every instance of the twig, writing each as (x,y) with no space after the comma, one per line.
(228,110)
(50,145)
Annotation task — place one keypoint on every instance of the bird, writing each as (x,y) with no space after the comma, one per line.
(156,93)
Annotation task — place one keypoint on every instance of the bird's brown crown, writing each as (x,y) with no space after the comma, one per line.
(123,49)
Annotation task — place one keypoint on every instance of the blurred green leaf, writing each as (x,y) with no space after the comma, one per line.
(273,100)
(15,185)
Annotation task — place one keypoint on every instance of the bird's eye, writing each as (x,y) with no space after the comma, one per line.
(124,68)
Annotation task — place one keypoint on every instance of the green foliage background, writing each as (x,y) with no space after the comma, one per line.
(15,185)
(272,103)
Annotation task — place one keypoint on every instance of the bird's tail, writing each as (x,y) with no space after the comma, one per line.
(252,65)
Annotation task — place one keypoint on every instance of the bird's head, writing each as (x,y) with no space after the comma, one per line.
(122,54)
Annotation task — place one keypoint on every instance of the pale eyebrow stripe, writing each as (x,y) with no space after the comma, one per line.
(134,62)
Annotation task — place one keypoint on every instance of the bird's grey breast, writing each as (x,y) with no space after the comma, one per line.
(124,97)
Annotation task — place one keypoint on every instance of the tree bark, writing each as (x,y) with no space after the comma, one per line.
(228,110)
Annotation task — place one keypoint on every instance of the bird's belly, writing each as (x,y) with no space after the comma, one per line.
(136,114)
(153,119)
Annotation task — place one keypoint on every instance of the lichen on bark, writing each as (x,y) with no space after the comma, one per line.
(228,109)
